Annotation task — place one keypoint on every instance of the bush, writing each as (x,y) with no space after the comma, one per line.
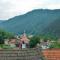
(34,40)
(55,45)
(5,35)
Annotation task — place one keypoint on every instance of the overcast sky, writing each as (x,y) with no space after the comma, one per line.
(10,8)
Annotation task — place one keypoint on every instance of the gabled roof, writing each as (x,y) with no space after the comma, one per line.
(52,54)
(24,38)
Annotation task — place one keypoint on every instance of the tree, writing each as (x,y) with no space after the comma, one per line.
(5,35)
(34,40)
(1,40)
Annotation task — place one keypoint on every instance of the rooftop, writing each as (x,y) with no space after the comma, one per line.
(52,54)
(20,54)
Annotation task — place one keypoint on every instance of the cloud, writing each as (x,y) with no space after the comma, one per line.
(11,8)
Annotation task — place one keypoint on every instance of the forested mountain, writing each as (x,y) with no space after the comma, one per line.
(33,22)
(53,28)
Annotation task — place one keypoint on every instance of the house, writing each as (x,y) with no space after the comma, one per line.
(6,41)
(23,41)
(12,43)
(45,44)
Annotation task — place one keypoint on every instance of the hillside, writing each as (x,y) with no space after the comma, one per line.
(2,21)
(33,22)
(53,28)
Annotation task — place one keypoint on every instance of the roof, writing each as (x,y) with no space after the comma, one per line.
(52,54)
(12,41)
(44,43)
(24,38)
(20,54)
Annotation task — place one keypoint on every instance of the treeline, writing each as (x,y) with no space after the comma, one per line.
(5,35)
(54,41)
(33,40)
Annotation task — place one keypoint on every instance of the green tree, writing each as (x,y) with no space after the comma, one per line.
(5,35)
(55,45)
(34,40)
(1,40)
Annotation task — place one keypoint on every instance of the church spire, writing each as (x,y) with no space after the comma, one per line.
(24,34)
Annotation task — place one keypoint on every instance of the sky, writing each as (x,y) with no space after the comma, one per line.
(11,8)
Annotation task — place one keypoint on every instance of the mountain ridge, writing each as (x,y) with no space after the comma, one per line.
(34,22)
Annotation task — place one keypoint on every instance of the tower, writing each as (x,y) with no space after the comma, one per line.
(24,41)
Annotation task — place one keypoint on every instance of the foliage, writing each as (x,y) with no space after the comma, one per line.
(5,35)
(1,40)
(9,35)
(55,45)
(48,36)
(34,40)
(54,28)
(5,46)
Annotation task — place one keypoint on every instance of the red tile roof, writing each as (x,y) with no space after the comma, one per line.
(24,38)
(52,54)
